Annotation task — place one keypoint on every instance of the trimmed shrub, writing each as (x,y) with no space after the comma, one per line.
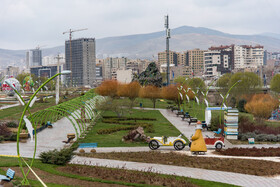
(1,139)
(261,105)
(93,151)
(13,137)
(57,157)
(259,137)
(82,151)
(215,122)
(4,131)
(241,105)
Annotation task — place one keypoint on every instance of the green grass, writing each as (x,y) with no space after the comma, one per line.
(14,113)
(162,128)
(53,169)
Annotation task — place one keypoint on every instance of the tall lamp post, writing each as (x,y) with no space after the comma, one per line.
(25,181)
(167,48)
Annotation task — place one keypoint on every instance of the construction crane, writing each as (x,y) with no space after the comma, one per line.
(40,46)
(70,38)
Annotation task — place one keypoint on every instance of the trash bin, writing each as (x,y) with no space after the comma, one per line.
(251,140)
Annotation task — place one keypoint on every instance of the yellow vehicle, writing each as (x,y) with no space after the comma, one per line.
(178,142)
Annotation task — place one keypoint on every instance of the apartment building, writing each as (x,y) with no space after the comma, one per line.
(248,57)
(218,60)
(195,60)
(162,58)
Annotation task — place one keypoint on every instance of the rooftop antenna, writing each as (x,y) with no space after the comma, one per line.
(166,25)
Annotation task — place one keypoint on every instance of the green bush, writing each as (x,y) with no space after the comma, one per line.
(215,122)
(241,105)
(259,137)
(12,137)
(1,139)
(57,157)
(12,124)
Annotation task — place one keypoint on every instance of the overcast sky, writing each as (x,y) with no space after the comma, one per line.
(27,23)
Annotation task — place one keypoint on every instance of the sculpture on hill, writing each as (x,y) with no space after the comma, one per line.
(151,76)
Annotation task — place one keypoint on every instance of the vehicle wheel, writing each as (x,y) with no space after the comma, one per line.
(179,145)
(219,146)
(190,144)
(153,145)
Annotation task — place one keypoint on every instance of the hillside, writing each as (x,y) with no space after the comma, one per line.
(148,45)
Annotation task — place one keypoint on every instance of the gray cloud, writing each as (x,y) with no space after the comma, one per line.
(26,24)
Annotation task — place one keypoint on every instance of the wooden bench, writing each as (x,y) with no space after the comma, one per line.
(9,175)
(70,137)
(192,120)
(174,108)
(179,113)
(186,115)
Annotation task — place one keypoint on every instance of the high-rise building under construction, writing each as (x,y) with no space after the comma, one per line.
(80,59)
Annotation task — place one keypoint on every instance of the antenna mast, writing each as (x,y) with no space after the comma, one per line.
(167,47)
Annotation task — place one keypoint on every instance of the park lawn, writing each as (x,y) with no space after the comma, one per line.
(162,127)
(14,113)
(73,175)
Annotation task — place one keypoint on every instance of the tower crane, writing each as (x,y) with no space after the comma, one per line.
(70,38)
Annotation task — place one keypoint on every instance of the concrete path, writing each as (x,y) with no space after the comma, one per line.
(48,139)
(211,175)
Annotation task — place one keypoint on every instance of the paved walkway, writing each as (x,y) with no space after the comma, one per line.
(211,175)
(48,139)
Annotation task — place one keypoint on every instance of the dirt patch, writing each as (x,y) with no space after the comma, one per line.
(246,166)
(255,152)
(56,179)
(147,178)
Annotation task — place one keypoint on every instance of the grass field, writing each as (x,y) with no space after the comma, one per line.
(77,175)
(162,127)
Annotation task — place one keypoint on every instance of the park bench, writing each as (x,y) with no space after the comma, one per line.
(186,115)
(9,175)
(174,108)
(179,113)
(192,120)
(87,145)
(70,137)
(204,125)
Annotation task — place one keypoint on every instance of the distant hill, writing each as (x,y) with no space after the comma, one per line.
(148,45)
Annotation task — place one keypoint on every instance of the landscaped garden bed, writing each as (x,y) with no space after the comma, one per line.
(246,166)
(110,130)
(254,152)
(77,175)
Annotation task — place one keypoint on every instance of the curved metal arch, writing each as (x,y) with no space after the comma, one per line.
(66,114)
(73,112)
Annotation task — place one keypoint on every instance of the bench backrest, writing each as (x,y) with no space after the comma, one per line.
(10,173)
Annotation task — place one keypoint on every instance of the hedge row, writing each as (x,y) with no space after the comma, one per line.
(122,122)
(148,127)
(128,118)
(259,137)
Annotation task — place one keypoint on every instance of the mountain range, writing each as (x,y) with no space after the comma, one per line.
(147,46)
